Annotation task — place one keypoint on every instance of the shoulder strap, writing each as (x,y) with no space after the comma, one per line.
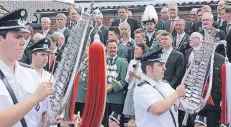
(142,83)
(11,92)
(25,65)
(174,121)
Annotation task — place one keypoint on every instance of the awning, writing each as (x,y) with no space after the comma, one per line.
(132,3)
(35,5)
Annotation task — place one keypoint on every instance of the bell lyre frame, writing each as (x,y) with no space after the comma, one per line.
(198,75)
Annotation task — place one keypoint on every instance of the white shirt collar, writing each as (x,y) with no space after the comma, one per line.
(46,31)
(6,69)
(100,27)
(62,30)
(181,35)
(125,20)
(168,50)
(175,18)
(151,81)
(198,47)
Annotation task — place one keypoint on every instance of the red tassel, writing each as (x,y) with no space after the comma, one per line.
(96,88)
(73,97)
(224,109)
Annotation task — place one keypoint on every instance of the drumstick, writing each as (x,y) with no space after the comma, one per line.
(77,121)
(53,68)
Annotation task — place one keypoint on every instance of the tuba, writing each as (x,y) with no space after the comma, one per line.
(198,77)
(69,66)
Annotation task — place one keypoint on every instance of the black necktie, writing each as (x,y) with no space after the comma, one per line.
(227,29)
(110,61)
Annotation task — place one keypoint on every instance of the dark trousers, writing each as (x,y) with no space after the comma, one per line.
(213,117)
(79,107)
(190,121)
(118,108)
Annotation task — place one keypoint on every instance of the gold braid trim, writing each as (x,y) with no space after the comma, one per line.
(118,83)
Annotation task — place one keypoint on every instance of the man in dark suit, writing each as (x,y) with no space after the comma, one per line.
(170,25)
(220,7)
(56,48)
(207,21)
(27,59)
(164,17)
(181,41)
(46,25)
(74,16)
(197,26)
(102,30)
(175,61)
(123,17)
(212,109)
(226,27)
(193,19)
(61,21)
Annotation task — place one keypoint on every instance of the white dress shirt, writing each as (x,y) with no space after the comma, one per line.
(45,32)
(179,39)
(166,53)
(145,96)
(24,83)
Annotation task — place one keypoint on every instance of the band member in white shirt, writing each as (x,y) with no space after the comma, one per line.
(155,100)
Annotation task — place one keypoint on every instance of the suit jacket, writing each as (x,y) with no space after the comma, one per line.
(66,33)
(134,24)
(50,32)
(103,33)
(197,26)
(189,27)
(116,96)
(184,44)
(160,25)
(174,68)
(228,39)
(220,34)
(216,88)
(58,55)
(167,25)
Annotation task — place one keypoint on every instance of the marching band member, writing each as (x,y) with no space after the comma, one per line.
(22,94)
(154,99)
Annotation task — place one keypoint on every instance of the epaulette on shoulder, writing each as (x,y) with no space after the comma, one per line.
(142,83)
(25,65)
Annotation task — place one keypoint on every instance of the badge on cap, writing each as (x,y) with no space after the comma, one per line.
(45,46)
(23,13)
(21,22)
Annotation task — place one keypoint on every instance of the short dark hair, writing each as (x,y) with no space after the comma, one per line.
(115,30)
(143,46)
(69,9)
(123,7)
(143,66)
(228,9)
(165,33)
(199,9)
(111,41)
(4,33)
